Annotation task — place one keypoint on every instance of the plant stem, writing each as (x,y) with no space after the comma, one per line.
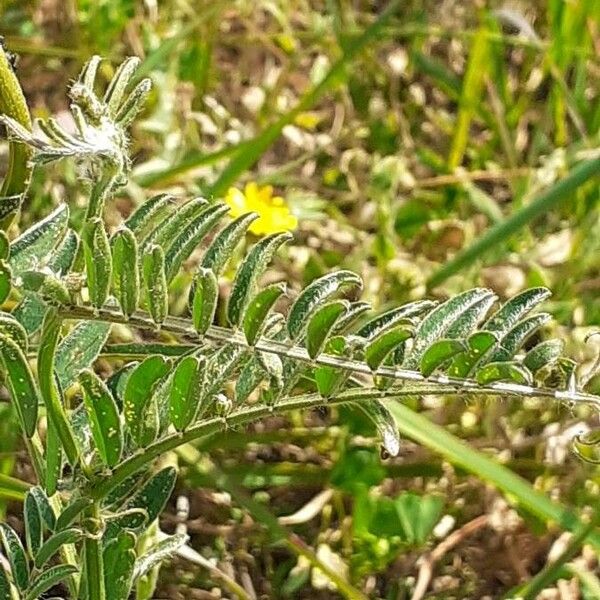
(13,104)
(94,564)
(185,329)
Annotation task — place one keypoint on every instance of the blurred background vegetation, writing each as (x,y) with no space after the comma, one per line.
(396,141)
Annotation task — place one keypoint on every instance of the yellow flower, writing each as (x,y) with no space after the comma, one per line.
(274,214)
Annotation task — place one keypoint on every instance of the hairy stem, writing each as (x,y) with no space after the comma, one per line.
(94,564)
(13,104)
(221,335)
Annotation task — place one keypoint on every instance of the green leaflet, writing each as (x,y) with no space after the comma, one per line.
(79,349)
(478,344)
(46,510)
(126,276)
(48,579)
(329,380)
(168,229)
(186,391)
(545,353)
(5,280)
(258,310)
(21,384)
(190,237)
(219,367)
(250,377)
(313,297)
(321,324)
(5,592)
(224,243)
(49,287)
(48,386)
(249,272)
(33,524)
(98,260)
(158,553)
(133,103)
(516,337)
(440,352)
(34,245)
(379,348)
(11,328)
(119,560)
(155,283)
(151,499)
(465,324)
(384,423)
(514,309)
(71,512)
(54,459)
(391,318)
(115,92)
(14,551)
(146,215)
(204,296)
(439,320)
(4,246)
(138,395)
(54,543)
(503,371)
(355,311)
(103,416)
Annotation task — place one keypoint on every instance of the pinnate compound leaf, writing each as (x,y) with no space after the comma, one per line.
(321,324)
(14,551)
(503,371)
(225,242)
(440,352)
(249,272)
(315,295)
(545,353)
(48,579)
(33,246)
(21,384)
(103,417)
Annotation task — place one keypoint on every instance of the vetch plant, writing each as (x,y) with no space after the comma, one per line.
(96,444)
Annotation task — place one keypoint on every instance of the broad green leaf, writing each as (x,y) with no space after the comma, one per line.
(315,295)
(321,324)
(33,246)
(510,344)
(71,512)
(103,417)
(391,318)
(5,591)
(151,499)
(11,328)
(126,275)
(33,524)
(48,579)
(465,324)
(46,510)
(148,214)
(384,422)
(503,371)
(138,394)
(185,393)
(79,349)
(158,553)
(377,350)
(440,352)
(204,298)
(510,313)
(225,242)
(119,560)
(155,283)
(21,384)
(98,260)
(190,237)
(258,309)
(14,551)
(54,543)
(479,344)
(438,321)
(545,353)
(249,272)
(5,280)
